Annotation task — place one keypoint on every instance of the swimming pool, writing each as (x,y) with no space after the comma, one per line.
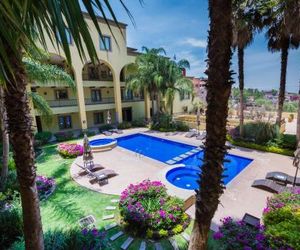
(190,157)
(153,147)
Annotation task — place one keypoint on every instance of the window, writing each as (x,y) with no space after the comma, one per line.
(184,95)
(98,118)
(105,43)
(61,94)
(65,122)
(126,94)
(96,95)
(68,35)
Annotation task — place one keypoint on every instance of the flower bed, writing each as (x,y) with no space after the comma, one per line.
(45,186)
(69,150)
(237,235)
(94,239)
(148,211)
(282,220)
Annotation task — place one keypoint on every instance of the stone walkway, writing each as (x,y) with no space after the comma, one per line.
(239,197)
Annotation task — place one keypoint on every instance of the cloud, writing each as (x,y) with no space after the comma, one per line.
(199,43)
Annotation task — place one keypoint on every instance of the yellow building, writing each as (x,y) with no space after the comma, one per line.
(100,89)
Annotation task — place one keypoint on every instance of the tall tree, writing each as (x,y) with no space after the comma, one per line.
(243,32)
(218,91)
(282,34)
(146,73)
(175,82)
(19,19)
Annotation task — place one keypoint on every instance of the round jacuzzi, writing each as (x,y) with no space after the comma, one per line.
(103,144)
(183,177)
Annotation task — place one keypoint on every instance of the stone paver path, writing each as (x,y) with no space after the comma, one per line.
(127,243)
(116,236)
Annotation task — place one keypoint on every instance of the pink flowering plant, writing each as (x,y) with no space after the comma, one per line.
(282,220)
(147,210)
(92,238)
(69,150)
(237,235)
(45,186)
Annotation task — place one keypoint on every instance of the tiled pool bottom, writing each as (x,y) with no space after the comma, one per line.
(170,152)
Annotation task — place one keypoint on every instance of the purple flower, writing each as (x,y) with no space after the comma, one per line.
(247,248)
(162,214)
(84,231)
(218,235)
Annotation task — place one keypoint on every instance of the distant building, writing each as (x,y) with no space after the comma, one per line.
(199,87)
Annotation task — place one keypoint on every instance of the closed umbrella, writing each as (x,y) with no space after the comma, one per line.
(198,120)
(87,153)
(108,119)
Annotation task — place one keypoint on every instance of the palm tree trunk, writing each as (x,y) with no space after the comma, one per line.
(298,119)
(21,138)
(218,92)
(281,95)
(5,142)
(241,86)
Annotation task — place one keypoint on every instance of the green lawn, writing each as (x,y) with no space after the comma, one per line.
(70,202)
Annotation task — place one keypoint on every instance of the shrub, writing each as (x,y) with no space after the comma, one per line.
(181,126)
(44,137)
(237,235)
(147,210)
(45,186)
(69,150)
(10,226)
(138,123)
(124,125)
(73,238)
(291,117)
(165,123)
(64,136)
(282,220)
(287,141)
(105,127)
(88,133)
(261,132)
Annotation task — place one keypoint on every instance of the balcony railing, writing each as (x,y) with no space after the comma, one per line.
(96,77)
(107,100)
(62,103)
(132,99)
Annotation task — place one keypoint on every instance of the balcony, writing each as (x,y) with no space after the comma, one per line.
(62,103)
(132,99)
(107,100)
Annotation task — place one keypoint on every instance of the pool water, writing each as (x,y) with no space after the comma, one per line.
(153,147)
(186,177)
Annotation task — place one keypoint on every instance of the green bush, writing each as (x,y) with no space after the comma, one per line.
(288,141)
(165,123)
(266,148)
(88,133)
(261,132)
(124,125)
(44,137)
(282,220)
(10,227)
(140,123)
(70,239)
(105,127)
(64,136)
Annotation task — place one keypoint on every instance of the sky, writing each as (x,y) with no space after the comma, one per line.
(181,28)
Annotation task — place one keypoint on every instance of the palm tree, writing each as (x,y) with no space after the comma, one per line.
(218,91)
(175,81)
(21,22)
(243,31)
(146,74)
(282,22)
(38,70)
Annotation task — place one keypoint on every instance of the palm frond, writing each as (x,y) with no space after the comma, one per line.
(41,105)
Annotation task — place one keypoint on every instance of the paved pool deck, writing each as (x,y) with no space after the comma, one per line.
(238,198)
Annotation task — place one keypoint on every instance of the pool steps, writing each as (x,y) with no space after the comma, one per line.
(183,156)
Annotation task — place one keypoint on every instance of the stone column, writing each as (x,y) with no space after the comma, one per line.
(80,98)
(118,101)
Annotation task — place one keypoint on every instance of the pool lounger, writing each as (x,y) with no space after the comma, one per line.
(191,134)
(117,131)
(107,133)
(202,136)
(95,167)
(102,176)
(283,178)
(270,186)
